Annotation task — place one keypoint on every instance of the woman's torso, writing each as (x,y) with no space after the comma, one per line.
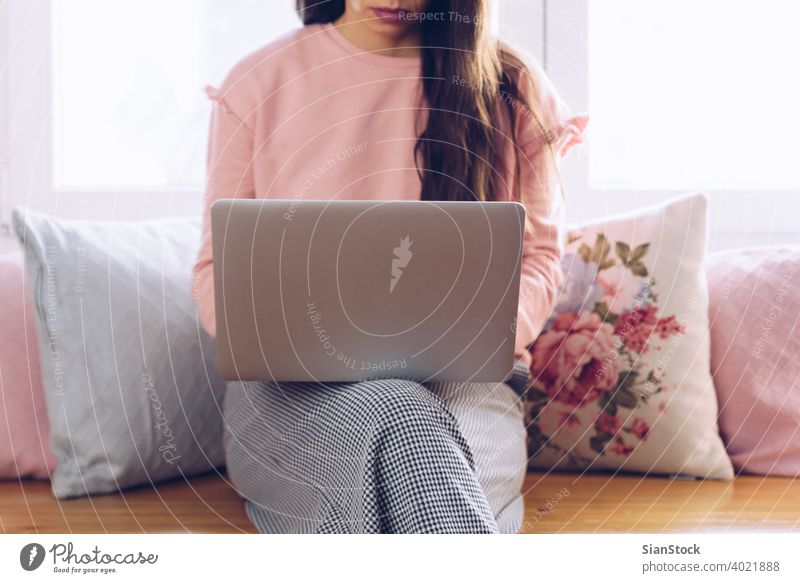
(333,122)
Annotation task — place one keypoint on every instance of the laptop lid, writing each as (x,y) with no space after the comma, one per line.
(351,290)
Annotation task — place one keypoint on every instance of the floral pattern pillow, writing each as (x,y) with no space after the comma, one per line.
(619,378)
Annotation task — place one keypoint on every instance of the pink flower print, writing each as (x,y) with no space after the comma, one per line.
(640,428)
(636,326)
(608,424)
(621,448)
(569,419)
(666,327)
(576,359)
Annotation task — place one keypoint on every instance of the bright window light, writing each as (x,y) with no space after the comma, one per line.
(129,110)
(693,94)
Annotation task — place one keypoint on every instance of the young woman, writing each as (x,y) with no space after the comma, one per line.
(388,99)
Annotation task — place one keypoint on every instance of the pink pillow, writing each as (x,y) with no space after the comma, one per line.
(755,344)
(24,427)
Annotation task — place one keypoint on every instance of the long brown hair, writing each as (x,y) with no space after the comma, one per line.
(458,148)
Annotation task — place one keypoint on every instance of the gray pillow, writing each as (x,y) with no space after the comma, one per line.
(129,375)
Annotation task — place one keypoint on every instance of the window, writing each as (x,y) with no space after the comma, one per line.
(106,111)
(129,108)
(694,94)
(683,96)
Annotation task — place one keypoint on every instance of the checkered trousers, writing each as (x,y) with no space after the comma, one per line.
(382,456)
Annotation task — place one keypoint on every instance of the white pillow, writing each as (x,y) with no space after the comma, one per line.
(621,372)
(129,377)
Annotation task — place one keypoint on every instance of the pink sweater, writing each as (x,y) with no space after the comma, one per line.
(312,116)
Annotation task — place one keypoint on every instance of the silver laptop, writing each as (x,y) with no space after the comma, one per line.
(352,290)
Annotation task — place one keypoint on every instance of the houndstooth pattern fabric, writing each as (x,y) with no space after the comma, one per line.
(382,456)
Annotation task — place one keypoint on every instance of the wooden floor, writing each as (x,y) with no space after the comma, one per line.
(554,503)
(626,503)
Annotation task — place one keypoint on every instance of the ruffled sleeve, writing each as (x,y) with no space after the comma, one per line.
(560,125)
(211,92)
(545,134)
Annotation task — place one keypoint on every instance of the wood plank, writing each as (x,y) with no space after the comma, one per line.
(556,502)
(591,503)
(205,504)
